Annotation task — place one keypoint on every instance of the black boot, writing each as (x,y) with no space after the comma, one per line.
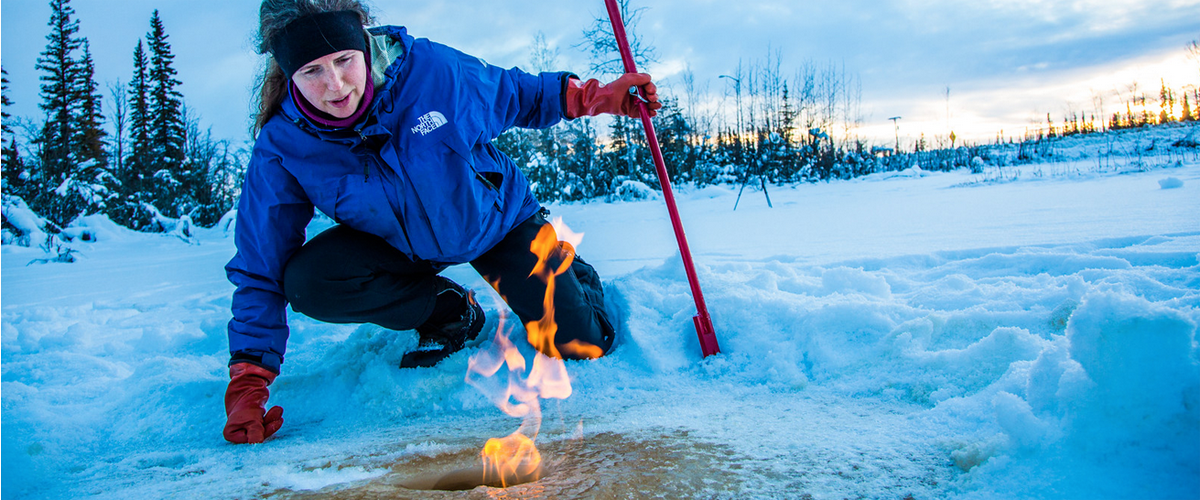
(441,337)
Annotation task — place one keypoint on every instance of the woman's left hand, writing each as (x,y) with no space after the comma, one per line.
(591,98)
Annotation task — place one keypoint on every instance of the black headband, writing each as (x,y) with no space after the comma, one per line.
(315,36)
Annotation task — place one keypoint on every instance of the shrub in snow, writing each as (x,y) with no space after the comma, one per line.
(181,228)
(632,190)
(65,255)
(1188,142)
(90,193)
(1170,183)
(24,227)
(977,165)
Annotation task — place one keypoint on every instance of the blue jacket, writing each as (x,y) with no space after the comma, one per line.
(419,170)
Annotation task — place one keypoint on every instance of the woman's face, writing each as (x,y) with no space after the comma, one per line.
(334,83)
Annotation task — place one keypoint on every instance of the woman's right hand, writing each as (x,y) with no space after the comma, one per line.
(245,405)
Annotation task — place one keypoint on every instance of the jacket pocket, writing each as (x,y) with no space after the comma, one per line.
(485,173)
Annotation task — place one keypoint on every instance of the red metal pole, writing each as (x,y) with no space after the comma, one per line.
(704,327)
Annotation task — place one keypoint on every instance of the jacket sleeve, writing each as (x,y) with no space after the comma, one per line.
(512,97)
(272,215)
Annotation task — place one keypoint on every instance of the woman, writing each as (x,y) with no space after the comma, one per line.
(391,136)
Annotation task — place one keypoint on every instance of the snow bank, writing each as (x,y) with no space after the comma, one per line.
(92,228)
(1035,362)
(1140,358)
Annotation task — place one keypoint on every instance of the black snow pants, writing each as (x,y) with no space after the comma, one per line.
(347,276)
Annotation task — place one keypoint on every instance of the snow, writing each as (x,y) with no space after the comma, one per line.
(631,190)
(30,225)
(1170,183)
(1025,332)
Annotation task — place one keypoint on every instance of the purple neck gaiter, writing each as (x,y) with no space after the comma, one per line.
(325,119)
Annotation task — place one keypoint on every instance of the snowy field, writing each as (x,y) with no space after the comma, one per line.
(1025,332)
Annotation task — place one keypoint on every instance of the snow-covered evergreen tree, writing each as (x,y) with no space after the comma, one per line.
(90,130)
(14,173)
(138,162)
(68,177)
(167,125)
(674,133)
(58,92)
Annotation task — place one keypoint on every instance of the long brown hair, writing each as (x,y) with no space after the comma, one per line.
(273,16)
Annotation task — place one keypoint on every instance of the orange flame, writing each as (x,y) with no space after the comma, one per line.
(515,458)
(541,332)
(546,246)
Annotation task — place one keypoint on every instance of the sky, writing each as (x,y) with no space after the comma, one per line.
(1006,64)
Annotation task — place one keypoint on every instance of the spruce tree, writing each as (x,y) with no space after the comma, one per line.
(6,132)
(90,125)
(581,161)
(787,131)
(66,178)
(137,168)
(13,166)
(621,154)
(137,165)
(673,131)
(173,185)
(58,90)
(1166,104)
(167,127)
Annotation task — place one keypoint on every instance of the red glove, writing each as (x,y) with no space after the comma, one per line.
(244,405)
(590,98)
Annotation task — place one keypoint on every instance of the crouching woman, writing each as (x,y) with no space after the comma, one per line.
(390,136)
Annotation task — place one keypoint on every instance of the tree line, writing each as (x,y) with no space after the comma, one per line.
(155,171)
(1141,110)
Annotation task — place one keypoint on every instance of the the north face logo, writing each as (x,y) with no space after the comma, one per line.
(428,122)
